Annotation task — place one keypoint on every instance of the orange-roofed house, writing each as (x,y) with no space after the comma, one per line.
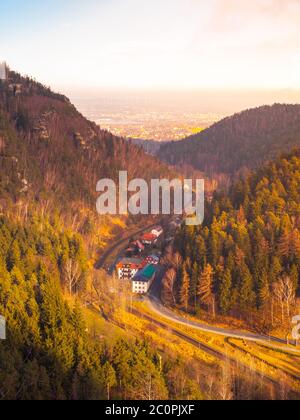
(149,239)
(128,267)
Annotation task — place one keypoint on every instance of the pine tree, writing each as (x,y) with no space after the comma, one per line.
(284,245)
(200,248)
(294,276)
(14,256)
(109,376)
(247,296)
(275,270)
(225,292)
(184,293)
(295,246)
(214,246)
(206,288)
(264,292)
(194,284)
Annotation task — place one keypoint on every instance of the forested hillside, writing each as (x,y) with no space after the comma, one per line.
(241,142)
(51,158)
(70,334)
(50,152)
(49,353)
(244,261)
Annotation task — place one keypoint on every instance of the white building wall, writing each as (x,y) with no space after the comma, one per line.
(126,273)
(157,233)
(140,287)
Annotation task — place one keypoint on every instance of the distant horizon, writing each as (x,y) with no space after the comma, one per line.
(168,115)
(175,44)
(216,101)
(128,112)
(241,98)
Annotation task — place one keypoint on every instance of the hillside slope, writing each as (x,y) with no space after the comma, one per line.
(48,149)
(58,346)
(243,141)
(245,260)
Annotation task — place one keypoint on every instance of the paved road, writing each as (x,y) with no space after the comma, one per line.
(154,303)
(204,347)
(156,306)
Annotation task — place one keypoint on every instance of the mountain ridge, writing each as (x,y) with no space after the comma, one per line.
(243,141)
(51,142)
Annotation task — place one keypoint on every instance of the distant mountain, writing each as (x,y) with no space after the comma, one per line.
(243,141)
(151,147)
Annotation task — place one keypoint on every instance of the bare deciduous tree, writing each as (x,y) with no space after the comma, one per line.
(284,293)
(226,383)
(172,260)
(72,272)
(168,293)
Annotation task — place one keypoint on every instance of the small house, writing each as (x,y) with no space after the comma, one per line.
(157,231)
(134,248)
(152,259)
(149,239)
(143,280)
(128,267)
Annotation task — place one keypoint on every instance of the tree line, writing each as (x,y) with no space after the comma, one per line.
(244,260)
(50,353)
(238,143)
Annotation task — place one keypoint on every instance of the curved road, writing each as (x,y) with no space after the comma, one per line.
(204,347)
(156,306)
(154,303)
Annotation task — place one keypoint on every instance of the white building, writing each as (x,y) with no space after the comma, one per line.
(127,268)
(157,231)
(140,287)
(143,280)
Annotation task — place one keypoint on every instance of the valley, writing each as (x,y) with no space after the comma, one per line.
(152,310)
(146,115)
(150,203)
(214,319)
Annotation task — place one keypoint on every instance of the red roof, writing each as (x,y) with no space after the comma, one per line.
(149,237)
(133,263)
(144,263)
(139,245)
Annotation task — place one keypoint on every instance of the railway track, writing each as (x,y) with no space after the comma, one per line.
(204,347)
(101,262)
(185,337)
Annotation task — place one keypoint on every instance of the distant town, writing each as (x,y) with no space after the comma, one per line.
(160,126)
(139,118)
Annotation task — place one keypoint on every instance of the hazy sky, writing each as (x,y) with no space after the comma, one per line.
(147,43)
